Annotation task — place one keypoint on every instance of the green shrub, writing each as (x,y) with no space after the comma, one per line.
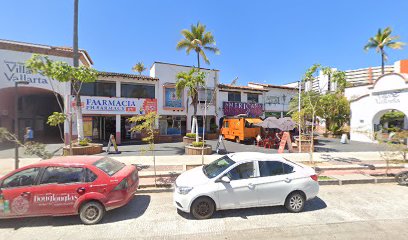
(84,142)
(191,135)
(198,144)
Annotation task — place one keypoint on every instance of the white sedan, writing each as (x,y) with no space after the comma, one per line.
(243,180)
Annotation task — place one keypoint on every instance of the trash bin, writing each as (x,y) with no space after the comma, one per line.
(343,139)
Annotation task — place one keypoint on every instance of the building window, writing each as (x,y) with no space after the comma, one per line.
(234,96)
(130,90)
(252,98)
(170,98)
(202,95)
(172,125)
(99,88)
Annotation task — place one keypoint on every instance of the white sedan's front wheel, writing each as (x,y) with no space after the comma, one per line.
(203,208)
(295,202)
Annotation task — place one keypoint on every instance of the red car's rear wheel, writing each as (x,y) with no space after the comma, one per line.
(91,212)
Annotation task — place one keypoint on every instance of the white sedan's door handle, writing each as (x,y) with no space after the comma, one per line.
(251,186)
(288,180)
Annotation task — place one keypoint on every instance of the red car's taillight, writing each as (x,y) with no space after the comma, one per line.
(123,185)
(314,177)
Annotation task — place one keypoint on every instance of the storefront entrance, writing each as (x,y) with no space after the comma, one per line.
(102,128)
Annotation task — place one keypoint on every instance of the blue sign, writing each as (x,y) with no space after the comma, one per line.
(171,100)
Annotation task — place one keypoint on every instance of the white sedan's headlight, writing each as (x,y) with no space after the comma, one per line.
(183,190)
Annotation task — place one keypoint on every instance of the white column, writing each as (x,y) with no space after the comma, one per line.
(118,127)
(118,89)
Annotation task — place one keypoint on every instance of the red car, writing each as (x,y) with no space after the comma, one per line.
(84,185)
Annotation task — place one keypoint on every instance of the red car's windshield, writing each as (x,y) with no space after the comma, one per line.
(109,166)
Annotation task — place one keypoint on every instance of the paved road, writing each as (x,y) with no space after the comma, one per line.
(341,212)
(165,149)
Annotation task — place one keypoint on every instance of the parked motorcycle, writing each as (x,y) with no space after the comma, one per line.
(402,178)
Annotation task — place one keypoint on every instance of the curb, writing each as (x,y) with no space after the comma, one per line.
(357,181)
(150,188)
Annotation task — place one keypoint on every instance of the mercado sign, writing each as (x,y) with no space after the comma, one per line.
(114,105)
(235,108)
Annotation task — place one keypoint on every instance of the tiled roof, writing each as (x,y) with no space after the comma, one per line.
(229,86)
(180,65)
(42,49)
(273,86)
(126,75)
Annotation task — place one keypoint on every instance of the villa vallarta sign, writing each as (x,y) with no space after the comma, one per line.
(16,71)
(235,108)
(388,98)
(113,105)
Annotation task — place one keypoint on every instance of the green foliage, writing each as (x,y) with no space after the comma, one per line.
(60,71)
(383,39)
(191,135)
(56,118)
(335,109)
(198,39)
(139,67)
(146,123)
(198,144)
(393,116)
(84,142)
(190,80)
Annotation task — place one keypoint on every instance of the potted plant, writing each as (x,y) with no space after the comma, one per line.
(198,148)
(190,138)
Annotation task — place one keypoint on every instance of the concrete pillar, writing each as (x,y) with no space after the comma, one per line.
(118,127)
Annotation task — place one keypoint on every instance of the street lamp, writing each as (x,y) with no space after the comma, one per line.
(18,82)
(283,104)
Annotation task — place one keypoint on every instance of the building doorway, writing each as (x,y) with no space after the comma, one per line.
(102,128)
(389,121)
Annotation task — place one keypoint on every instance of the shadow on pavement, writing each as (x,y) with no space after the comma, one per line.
(312,205)
(134,209)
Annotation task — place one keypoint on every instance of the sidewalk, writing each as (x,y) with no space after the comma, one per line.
(338,167)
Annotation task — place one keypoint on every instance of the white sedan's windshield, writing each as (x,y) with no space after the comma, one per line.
(218,166)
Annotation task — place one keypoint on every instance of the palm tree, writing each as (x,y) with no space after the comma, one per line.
(190,80)
(383,39)
(139,67)
(198,39)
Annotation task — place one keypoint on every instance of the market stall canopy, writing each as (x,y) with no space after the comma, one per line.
(286,124)
(283,124)
(270,122)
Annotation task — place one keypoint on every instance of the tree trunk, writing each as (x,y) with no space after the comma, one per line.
(382,61)
(311,139)
(80,126)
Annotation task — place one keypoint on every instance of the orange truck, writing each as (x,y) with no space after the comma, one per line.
(240,128)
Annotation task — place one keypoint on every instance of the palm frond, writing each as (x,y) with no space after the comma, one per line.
(396,45)
(187,34)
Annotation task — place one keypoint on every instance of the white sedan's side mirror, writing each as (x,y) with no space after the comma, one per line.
(225,179)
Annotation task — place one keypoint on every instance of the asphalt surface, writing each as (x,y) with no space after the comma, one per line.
(177,148)
(371,211)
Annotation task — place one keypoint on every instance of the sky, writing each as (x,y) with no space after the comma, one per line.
(264,41)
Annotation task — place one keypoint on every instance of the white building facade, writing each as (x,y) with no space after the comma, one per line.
(368,103)
(176,113)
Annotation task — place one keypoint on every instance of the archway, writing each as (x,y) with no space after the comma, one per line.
(388,121)
(34,107)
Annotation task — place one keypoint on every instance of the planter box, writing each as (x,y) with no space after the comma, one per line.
(305,146)
(83,150)
(188,140)
(190,150)
(211,136)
